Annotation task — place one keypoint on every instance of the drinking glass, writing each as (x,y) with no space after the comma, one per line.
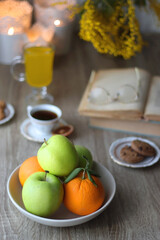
(38,63)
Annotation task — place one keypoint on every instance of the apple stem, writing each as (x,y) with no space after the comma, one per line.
(45,141)
(45,175)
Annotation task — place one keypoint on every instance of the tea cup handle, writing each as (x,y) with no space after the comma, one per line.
(29,109)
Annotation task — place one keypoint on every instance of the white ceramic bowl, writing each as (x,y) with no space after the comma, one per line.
(62,217)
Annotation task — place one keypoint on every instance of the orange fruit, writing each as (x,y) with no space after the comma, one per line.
(82,197)
(28,167)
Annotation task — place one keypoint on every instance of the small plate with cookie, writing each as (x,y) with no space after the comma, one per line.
(6,112)
(134,152)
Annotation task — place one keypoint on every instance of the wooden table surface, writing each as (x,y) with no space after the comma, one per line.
(134,212)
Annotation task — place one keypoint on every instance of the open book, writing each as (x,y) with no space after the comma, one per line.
(127,94)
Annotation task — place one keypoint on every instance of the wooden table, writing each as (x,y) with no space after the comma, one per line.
(135,211)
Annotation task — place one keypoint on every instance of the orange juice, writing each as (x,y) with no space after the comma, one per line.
(38,65)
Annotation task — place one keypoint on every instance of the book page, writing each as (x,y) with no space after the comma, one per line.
(152,110)
(111,81)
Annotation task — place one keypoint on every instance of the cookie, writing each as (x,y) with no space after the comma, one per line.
(130,156)
(2,114)
(2,104)
(143,148)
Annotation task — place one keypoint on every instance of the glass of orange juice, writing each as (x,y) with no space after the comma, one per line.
(38,61)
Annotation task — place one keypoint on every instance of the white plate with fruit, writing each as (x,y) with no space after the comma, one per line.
(45,198)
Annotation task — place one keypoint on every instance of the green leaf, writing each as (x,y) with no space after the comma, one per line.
(91,179)
(73,174)
(91,171)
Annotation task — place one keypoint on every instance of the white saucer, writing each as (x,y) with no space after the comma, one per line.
(116,147)
(29,132)
(9,113)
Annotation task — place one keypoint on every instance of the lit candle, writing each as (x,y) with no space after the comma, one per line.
(57,14)
(11,45)
(15,19)
(62,36)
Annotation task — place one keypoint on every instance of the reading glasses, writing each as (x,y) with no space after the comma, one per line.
(124,94)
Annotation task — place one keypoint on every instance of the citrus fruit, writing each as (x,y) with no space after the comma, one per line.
(82,197)
(28,167)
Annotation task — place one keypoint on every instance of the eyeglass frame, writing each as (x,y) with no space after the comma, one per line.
(115,98)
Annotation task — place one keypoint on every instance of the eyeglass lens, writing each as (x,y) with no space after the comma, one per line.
(125,94)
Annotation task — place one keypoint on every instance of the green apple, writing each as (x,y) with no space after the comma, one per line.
(83,153)
(42,194)
(58,156)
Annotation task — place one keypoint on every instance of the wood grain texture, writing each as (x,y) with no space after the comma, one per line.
(135,211)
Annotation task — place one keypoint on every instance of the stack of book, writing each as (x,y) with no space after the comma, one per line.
(123,100)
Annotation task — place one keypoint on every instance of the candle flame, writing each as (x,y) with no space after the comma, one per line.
(57,22)
(11,31)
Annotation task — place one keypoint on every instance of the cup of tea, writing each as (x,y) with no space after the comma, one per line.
(44,117)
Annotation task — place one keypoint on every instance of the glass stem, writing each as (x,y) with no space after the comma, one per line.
(44,91)
(39,96)
(40,92)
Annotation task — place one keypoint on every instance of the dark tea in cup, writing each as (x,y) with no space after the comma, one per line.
(44,115)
